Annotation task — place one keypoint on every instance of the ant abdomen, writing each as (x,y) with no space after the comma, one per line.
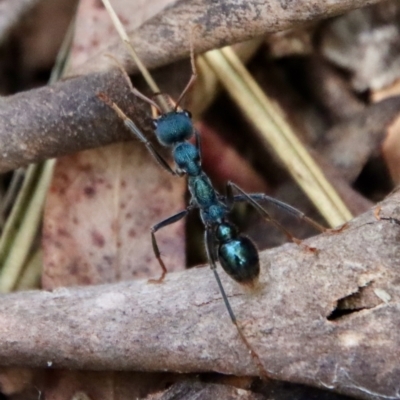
(237,254)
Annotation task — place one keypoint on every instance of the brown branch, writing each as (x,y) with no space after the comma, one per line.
(165,38)
(63,119)
(52,121)
(327,318)
(67,117)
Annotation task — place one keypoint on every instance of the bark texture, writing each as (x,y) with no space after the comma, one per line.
(166,37)
(68,117)
(327,318)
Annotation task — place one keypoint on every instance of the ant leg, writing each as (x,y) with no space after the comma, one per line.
(284,206)
(229,197)
(209,239)
(160,108)
(212,258)
(246,197)
(168,221)
(136,131)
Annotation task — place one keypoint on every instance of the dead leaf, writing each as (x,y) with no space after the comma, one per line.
(98,215)
(350,144)
(94,30)
(364,42)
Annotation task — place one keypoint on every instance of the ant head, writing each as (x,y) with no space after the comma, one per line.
(173,127)
(187,158)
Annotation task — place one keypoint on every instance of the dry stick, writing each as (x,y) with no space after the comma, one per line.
(23,223)
(67,136)
(291,320)
(10,231)
(276,131)
(27,231)
(32,273)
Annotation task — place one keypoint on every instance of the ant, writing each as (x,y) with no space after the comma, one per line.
(236,253)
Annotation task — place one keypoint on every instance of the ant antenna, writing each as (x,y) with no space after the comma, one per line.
(142,68)
(193,78)
(134,91)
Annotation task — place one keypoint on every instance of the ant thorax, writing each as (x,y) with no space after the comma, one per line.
(187,158)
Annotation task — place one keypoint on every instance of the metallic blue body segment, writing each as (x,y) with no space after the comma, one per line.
(226,232)
(236,253)
(239,259)
(173,127)
(204,196)
(213,214)
(187,158)
(202,190)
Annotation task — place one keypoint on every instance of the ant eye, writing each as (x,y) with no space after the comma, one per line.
(155,123)
(187,113)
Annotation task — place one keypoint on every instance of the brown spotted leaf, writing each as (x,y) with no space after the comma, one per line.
(99,211)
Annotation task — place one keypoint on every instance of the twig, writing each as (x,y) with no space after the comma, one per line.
(311,311)
(50,122)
